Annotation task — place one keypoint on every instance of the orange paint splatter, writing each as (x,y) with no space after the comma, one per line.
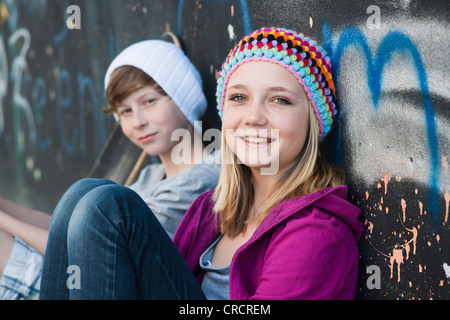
(407,250)
(447,200)
(404,209)
(397,257)
(370,227)
(367,195)
(386,178)
(414,238)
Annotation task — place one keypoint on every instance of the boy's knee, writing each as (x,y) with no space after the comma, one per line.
(99,207)
(83,186)
(74,195)
(103,200)
(103,195)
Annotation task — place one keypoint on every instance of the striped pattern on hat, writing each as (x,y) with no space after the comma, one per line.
(301,55)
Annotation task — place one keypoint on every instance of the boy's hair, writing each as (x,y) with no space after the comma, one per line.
(125,81)
(171,69)
(234,193)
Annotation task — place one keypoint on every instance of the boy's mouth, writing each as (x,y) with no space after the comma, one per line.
(147,138)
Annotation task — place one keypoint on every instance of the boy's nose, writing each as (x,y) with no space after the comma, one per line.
(139,119)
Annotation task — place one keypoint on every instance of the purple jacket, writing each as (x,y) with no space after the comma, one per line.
(306,248)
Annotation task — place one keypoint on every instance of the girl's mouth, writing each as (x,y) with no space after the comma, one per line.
(257,140)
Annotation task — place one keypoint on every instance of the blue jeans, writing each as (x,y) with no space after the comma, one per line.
(117,246)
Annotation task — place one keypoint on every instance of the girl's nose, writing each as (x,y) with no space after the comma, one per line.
(255,114)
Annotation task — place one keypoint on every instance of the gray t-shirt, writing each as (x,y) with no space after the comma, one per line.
(216,281)
(170,198)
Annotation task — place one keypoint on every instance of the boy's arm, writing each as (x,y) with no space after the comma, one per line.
(33,217)
(36,237)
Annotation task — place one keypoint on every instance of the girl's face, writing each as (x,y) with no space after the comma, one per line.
(148,119)
(265,116)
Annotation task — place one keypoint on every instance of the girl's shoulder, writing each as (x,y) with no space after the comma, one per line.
(327,207)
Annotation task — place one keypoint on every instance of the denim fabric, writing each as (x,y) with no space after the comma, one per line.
(118,246)
(169,198)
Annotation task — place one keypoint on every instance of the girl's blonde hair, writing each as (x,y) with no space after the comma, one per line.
(234,193)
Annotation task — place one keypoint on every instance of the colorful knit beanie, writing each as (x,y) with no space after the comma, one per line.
(296,52)
(172,70)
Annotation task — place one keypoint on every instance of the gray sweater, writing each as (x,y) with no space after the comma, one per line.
(170,198)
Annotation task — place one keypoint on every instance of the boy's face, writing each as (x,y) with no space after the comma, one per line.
(148,119)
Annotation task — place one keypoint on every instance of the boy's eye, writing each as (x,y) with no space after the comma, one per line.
(150,101)
(124,111)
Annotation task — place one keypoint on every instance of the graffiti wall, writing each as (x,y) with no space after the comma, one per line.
(390,61)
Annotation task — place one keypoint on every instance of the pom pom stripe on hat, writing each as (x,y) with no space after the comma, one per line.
(301,55)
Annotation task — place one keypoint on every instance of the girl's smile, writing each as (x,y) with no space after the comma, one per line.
(266,119)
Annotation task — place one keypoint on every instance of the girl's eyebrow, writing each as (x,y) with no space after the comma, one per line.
(237,86)
(283,89)
(276,89)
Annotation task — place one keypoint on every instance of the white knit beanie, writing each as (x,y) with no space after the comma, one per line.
(173,72)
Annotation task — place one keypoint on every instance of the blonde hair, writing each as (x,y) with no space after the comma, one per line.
(234,194)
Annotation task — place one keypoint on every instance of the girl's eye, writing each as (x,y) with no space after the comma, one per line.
(237,98)
(282,101)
